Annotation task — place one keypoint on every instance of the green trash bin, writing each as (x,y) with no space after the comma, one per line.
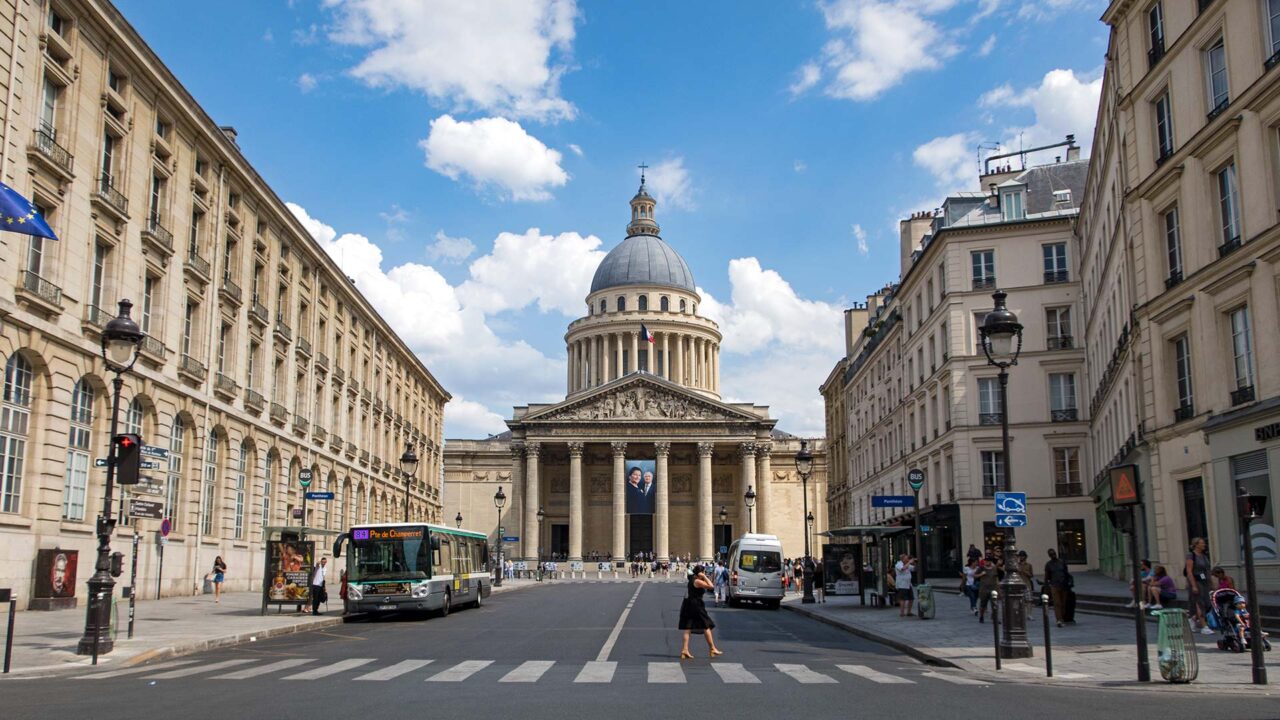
(925,606)
(1176,649)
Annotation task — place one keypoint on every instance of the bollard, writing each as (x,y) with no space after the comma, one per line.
(6,594)
(995,623)
(1048,646)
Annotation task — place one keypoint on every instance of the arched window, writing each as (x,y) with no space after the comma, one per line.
(207,504)
(266,494)
(622,304)
(664,304)
(237,488)
(177,446)
(643,303)
(76,486)
(604,305)
(682,306)
(133,417)
(13,431)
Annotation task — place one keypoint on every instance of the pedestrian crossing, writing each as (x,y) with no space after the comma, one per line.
(372,670)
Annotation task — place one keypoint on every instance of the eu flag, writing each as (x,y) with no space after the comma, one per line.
(17,214)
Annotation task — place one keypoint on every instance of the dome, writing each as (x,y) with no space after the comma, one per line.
(643,260)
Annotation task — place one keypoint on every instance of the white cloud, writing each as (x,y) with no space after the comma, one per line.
(268,36)
(577,150)
(765,310)
(861,236)
(553,271)
(1063,103)
(500,56)
(494,152)
(950,159)
(996,96)
(450,249)
(799,166)
(1047,9)
(468,418)
(987,46)
(307,82)
(806,77)
(670,183)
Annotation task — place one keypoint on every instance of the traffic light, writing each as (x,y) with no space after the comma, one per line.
(128,458)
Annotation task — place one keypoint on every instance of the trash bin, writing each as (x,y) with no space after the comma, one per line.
(925,606)
(1176,648)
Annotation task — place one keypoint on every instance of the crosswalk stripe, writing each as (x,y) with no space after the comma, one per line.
(395,671)
(802,674)
(875,675)
(665,672)
(528,672)
(597,671)
(461,671)
(734,673)
(264,669)
(186,671)
(327,670)
(133,670)
(954,679)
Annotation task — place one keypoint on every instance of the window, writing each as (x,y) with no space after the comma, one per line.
(49,97)
(1272,10)
(1011,205)
(1071,542)
(224,333)
(1058,327)
(133,416)
(1215,64)
(1055,263)
(57,23)
(1182,373)
(193,240)
(1066,472)
(188,327)
(1062,397)
(157,199)
(1155,31)
(642,304)
(1173,245)
(989,401)
(35,253)
(682,305)
(207,504)
(100,253)
(162,128)
(604,305)
(1164,127)
(992,472)
(76,486)
(237,483)
(109,144)
(115,81)
(1229,206)
(622,304)
(15,414)
(177,446)
(984,269)
(664,304)
(1241,348)
(266,495)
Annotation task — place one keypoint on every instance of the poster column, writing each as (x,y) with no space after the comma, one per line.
(530,532)
(764,477)
(575,501)
(748,452)
(705,531)
(662,519)
(619,501)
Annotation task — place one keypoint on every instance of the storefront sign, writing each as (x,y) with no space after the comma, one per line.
(1267,432)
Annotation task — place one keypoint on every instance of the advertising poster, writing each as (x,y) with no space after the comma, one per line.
(289,564)
(641,486)
(56,573)
(842,566)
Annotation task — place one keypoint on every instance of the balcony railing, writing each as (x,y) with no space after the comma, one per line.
(350,449)
(41,288)
(97,317)
(1184,412)
(1064,415)
(230,290)
(48,147)
(158,235)
(282,330)
(1056,276)
(1273,60)
(304,346)
(1229,246)
(1060,342)
(300,424)
(1242,395)
(1219,109)
(988,283)
(990,418)
(192,367)
(1175,277)
(198,264)
(258,311)
(322,361)
(339,374)
(364,457)
(319,433)
(155,348)
(253,400)
(224,385)
(107,193)
(335,442)
(1068,489)
(279,413)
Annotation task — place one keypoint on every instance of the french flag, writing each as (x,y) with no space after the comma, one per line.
(645,335)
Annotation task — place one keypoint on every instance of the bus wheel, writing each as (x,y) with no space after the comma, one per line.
(479,598)
(444,609)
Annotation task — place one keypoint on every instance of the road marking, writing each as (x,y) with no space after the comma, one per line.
(1033,670)
(528,672)
(617,628)
(186,671)
(875,675)
(461,671)
(131,671)
(955,679)
(394,671)
(596,671)
(734,673)
(334,669)
(264,669)
(665,672)
(802,674)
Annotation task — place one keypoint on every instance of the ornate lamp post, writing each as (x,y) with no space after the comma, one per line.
(499,499)
(1252,507)
(541,516)
(804,466)
(121,339)
(1001,343)
(750,499)
(458,520)
(409,464)
(808,520)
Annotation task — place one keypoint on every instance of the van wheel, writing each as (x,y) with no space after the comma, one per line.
(448,599)
(479,598)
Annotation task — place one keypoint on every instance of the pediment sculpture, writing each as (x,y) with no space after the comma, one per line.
(640,403)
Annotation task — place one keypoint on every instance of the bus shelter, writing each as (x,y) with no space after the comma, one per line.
(874,546)
(291,553)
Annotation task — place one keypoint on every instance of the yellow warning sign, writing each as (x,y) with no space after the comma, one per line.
(1124,485)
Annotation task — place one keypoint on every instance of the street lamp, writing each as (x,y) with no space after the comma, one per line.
(458,520)
(499,499)
(121,340)
(808,519)
(541,516)
(804,466)
(724,519)
(1001,343)
(1250,508)
(750,499)
(409,464)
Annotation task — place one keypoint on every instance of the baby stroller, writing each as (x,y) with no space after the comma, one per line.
(1233,621)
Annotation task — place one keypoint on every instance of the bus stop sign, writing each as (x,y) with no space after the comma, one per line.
(304,477)
(916,479)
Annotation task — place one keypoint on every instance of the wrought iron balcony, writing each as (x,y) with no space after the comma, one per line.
(304,346)
(257,311)
(1273,60)
(279,413)
(377,464)
(1242,395)
(153,347)
(322,361)
(988,283)
(1064,415)
(112,198)
(42,290)
(335,442)
(1068,489)
(1229,246)
(350,449)
(230,291)
(1056,276)
(197,265)
(192,367)
(225,386)
(319,433)
(366,396)
(364,457)
(1184,412)
(1060,342)
(48,149)
(1175,277)
(254,401)
(990,418)
(283,333)
(1219,109)
(97,317)
(158,235)
(300,424)
(339,375)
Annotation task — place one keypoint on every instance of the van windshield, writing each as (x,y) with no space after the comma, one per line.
(761,561)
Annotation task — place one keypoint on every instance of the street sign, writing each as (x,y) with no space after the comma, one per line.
(925,528)
(148,486)
(99,462)
(724,549)
(1124,485)
(155,451)
(1011,502)
(304,477)
(1011,520)
(319,496)
(916,479)
(146,509)
(149,464)
(883,501)
(510,538)
(165,527)
(297,513)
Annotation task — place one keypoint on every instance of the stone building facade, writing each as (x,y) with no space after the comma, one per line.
(260,357)
(634,399)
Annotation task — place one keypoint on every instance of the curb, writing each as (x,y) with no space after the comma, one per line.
(188,648)
(915,652)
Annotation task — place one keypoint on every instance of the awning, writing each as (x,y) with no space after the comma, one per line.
(875,531)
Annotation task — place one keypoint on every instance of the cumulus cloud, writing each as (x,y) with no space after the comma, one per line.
(307,82)
(670,183)
(577,150)
(504,57)
(799,166)
(469,419)
(552,271)
(806,77)
(450,249)
(494,153)
(1063,103)
(950,159)
(861,236)
(765,310)
(987,46)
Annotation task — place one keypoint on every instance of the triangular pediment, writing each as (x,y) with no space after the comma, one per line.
(640,397)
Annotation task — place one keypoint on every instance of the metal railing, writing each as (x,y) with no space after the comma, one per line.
(1184,412)
(339,374)
(258,311)
(300,424)
(96,316)
(1219,108)
(1229,246)
(350,450)
(279,413)
(282,329)
(192,367)
(1155,54)
(335,442)
(304,346)
(364,457)
(45,142)
(322,361)
(108,193)
(1175,277)
(1242,395)
(153,346)
(197,263)
(231,290)
(988,283)
(158,234)
(1064,415)
(254,399)
(224,384)
(1056,276)
(319,433)
(1060,342)
(41,288)
(990,418)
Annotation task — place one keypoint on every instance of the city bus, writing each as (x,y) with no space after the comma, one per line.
(410,567)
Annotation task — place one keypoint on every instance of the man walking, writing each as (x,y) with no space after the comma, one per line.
(318,593)
(1058,579)
(721,583)
(902,571)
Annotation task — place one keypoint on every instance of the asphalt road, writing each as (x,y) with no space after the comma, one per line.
(564,651)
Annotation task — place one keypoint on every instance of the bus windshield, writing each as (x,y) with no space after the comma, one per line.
(761,561)
(396,553)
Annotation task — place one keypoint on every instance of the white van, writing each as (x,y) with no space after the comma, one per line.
(755,570)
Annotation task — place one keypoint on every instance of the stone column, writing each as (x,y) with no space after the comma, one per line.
(693,362)
(531,500)
(575,501)
(568,357)
(617,351)
(679,378)
(666,357)
(715,368)
(513,512)
(588,350)
(662,518)
(705,520)
(635,351)
(747,451)
(619,501)
(764,481)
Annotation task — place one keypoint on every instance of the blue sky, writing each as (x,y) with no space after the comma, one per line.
(470,162)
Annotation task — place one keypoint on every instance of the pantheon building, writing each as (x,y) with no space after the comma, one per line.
(642,455)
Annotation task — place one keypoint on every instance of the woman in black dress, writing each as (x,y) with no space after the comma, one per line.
(693,614)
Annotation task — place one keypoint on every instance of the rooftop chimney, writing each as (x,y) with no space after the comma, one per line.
(910,233)
(230,132)
(855,319)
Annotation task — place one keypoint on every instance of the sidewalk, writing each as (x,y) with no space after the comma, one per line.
(45,642)
(1096,651)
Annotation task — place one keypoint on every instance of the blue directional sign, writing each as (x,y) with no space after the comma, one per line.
(319,496)
(511,538)
(1011,520)
(883,501)
(1011,502)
